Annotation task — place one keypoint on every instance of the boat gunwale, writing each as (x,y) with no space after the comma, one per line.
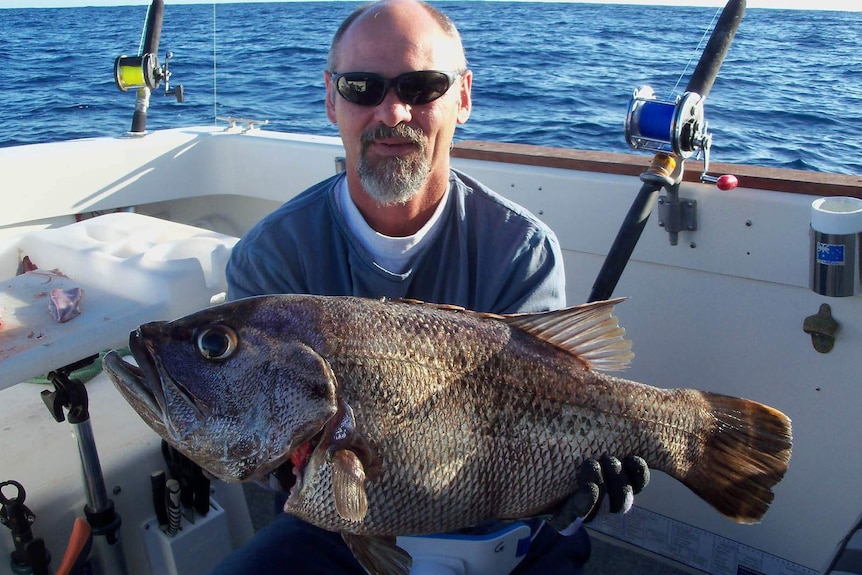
(753,177)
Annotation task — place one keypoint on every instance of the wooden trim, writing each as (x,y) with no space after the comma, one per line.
(755,177)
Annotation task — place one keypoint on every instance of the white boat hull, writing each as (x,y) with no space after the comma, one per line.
(722,311)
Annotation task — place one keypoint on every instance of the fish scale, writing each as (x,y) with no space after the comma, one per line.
(424,419)
(461,400)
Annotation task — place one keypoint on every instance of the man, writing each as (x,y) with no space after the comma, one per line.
(401,223)
(386,229)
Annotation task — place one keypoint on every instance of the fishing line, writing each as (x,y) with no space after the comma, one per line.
(695,54)
(215,74)
(144,31)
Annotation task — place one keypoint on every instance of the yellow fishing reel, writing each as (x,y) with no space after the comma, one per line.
(134,72)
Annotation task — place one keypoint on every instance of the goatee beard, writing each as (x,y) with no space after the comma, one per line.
(393,180)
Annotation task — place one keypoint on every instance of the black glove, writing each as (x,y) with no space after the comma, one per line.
(620,480)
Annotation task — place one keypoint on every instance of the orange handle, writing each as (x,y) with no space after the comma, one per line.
(78,548)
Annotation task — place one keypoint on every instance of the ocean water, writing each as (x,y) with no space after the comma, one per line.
(558,74)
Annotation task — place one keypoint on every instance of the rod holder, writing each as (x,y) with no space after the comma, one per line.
(836,225)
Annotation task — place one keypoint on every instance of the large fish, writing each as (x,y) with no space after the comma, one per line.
(399,417)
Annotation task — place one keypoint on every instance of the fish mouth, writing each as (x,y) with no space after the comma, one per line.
(143,384)
(133,382)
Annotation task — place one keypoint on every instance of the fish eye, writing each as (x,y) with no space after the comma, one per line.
(217,342)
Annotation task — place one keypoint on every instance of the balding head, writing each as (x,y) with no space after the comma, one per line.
(397,147)
(404,17)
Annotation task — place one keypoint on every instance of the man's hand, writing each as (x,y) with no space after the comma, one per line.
(619,480)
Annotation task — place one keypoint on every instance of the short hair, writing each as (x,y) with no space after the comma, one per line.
(445,23)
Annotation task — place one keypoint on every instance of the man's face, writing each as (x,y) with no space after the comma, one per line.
(394,146)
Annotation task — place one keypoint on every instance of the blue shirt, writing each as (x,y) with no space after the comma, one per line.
(489,254)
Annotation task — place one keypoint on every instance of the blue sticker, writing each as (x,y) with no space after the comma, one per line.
(830,254)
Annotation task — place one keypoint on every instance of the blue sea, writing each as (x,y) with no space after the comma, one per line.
(558,74)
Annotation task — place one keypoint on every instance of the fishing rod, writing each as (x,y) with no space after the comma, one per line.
(143,72)
(675,131)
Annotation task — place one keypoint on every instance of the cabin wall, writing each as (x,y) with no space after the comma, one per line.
(722,311)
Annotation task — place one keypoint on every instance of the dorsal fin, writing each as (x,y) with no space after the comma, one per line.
(590,331)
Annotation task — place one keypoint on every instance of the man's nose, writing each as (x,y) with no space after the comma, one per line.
(392,111)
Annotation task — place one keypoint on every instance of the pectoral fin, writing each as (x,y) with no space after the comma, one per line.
(379,556)
(348,485)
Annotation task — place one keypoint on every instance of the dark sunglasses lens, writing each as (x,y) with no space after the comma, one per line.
(362,89)
(417,88)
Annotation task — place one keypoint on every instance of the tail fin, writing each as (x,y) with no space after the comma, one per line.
(744,455)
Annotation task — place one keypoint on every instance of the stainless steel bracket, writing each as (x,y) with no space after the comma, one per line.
(676,214)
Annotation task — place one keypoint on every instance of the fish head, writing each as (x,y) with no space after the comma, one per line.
(233,388)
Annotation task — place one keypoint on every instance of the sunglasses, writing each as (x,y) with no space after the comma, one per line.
(413,88)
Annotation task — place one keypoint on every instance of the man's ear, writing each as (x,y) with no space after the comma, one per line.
(466,103)
(330,96)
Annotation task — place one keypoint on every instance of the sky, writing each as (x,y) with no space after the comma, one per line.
(847,5)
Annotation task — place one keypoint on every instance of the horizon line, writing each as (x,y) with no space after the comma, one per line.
(829,5)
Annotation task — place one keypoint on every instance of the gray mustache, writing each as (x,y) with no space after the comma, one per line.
(415,135)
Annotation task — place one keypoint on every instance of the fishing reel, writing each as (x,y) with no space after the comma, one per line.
(674,131)
(669,127)
(134,72)
(672,128)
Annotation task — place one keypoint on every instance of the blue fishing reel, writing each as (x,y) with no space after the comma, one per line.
(674,131)
(668,127)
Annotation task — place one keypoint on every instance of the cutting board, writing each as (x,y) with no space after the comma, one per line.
(132,268)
